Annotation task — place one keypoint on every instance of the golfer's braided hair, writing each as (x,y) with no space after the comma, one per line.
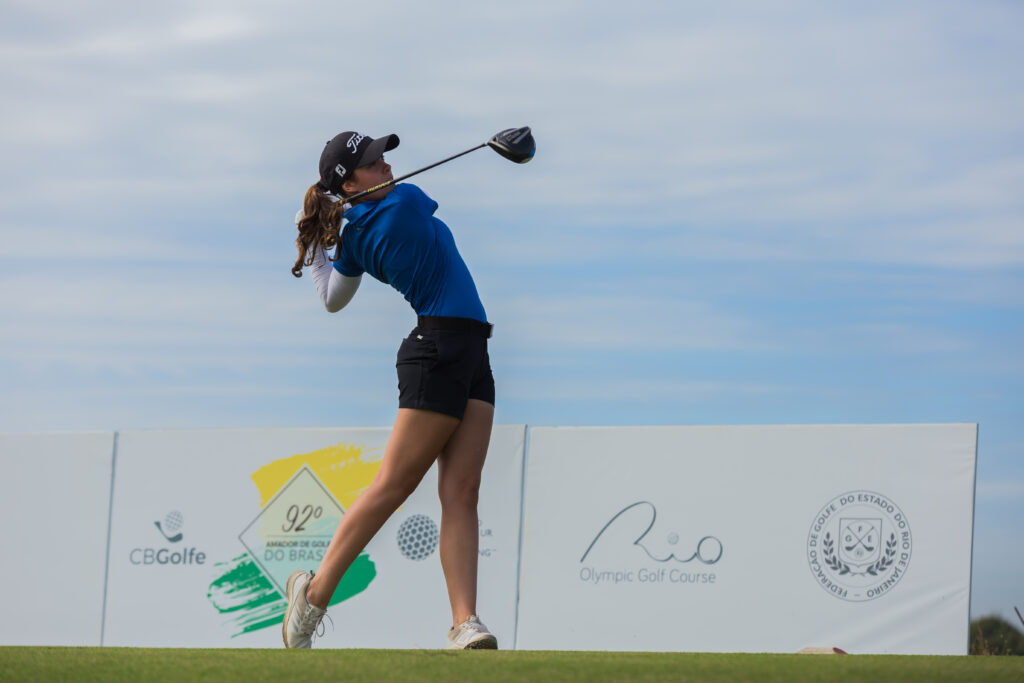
(320,225)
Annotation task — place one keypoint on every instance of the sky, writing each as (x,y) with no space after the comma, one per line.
(738,213)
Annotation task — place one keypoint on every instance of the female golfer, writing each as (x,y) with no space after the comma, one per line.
(446,390)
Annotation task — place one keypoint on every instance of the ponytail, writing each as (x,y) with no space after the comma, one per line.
(320,226)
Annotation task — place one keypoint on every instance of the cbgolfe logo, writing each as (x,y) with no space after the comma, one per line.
(170,529)
(171,526)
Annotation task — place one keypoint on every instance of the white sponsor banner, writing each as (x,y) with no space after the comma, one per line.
(54,503)
(748,538)
(207,525)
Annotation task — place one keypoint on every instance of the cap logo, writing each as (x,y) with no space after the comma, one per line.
(340,170)
(354,141)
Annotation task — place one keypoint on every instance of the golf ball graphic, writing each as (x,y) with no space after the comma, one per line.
(173,521)
(417,537)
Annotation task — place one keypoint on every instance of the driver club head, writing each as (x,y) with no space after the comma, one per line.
(515,144)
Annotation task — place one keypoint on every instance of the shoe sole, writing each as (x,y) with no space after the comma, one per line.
(484,644)
(288,596)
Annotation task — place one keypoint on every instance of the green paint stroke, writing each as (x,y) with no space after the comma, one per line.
(252,601)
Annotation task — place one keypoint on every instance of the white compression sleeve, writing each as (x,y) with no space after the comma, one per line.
(335,289)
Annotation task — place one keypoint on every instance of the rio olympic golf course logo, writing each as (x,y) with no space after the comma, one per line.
(631,527)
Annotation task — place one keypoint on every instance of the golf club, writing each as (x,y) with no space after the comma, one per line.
(515,144)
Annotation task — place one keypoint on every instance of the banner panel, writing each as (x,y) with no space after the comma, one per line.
(749,538)
(207,526)
(54,503)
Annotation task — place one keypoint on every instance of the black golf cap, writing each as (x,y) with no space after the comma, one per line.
(348,151)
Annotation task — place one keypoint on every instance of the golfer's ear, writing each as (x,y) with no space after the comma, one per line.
(348,187)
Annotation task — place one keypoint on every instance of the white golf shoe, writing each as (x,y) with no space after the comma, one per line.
(471,635)
(301,618)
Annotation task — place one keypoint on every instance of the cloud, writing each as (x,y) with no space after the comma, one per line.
(720,121)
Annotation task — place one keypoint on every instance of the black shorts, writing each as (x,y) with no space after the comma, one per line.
(443,363)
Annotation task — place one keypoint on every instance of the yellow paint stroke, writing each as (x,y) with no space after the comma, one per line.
(345,469)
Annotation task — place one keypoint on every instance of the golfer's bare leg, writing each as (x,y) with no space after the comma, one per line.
(458,485)
(416,440)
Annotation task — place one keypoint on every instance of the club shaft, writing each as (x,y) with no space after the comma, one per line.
(375,188)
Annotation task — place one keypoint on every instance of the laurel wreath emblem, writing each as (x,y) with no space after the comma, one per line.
(831,560)
(886,560)
(837,565)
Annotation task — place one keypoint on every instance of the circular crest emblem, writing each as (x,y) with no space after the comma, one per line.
(859,546)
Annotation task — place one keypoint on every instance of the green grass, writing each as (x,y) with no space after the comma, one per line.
(143,664)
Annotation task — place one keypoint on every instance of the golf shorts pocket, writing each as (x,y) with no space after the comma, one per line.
(417,348)
(417,358)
